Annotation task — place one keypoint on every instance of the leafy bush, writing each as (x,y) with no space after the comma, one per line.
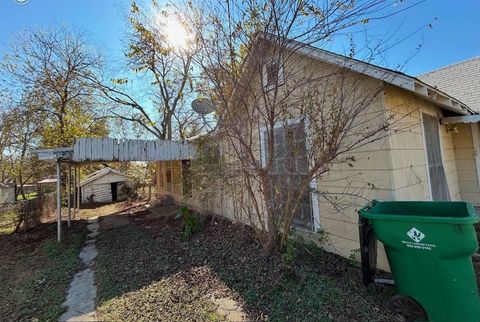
(191,223)
(354,257)
(292,247)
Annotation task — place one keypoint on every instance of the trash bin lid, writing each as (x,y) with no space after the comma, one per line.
(451,212)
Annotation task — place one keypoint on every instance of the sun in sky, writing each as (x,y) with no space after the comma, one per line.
(177,35)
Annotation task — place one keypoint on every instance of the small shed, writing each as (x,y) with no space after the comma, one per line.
(46,185)
(7,193)
(102,186)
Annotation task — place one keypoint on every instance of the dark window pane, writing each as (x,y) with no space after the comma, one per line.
(289,170)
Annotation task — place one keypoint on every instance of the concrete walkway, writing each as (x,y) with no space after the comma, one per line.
(80,302)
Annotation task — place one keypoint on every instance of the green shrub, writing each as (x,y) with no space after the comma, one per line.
(355,257)
(191,223)
(292,247)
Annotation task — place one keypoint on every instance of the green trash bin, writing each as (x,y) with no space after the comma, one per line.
(429,247)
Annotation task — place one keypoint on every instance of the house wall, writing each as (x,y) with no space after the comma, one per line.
(393,167)
(347,187)
(169,178)
(7,195)
(102,192)
(409,160)
(466,144)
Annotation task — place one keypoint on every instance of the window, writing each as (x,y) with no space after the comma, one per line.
(436,172)
(289,172)
(273,74)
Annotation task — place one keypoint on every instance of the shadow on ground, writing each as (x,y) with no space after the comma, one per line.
(35,271)
(146,271)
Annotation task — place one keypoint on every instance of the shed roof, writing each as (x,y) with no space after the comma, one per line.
(4,185)
(100,173)
(47,180)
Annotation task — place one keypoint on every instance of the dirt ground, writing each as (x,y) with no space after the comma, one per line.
(104,209)
(35,271)
(146,271)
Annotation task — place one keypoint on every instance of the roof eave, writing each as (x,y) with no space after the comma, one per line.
(440,98)
(100,174)
(392,77)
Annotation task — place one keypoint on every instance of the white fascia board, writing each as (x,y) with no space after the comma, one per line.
(391,77)
(53,154)
(356,66)
(461,119)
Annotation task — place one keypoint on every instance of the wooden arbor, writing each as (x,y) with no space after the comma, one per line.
(91,150)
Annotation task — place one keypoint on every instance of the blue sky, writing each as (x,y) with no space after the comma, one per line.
(453,38)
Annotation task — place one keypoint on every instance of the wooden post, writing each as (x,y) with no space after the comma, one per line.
(171,177)
(78,190)
(59,203)
(69,184)
(74,191)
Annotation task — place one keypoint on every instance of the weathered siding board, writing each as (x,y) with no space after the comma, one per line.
(115,149)
(101,190)
(7,195)
(106,149)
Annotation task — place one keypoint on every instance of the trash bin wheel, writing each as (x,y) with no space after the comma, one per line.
(408,307)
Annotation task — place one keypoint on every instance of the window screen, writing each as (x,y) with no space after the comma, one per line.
(436,172)
(289,172)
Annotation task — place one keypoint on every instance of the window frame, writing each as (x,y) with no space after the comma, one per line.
(427,165)
(314,197)
(280,75)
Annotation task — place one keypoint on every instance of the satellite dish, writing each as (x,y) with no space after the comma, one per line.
(203,106)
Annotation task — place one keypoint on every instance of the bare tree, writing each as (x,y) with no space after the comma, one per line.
(285,118)
(160,52)
(54,66)
(22,124)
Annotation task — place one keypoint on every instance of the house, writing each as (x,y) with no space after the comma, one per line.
(102,186)
(430,154)
(7,193)
(461,80)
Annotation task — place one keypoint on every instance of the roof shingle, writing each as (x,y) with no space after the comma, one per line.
(460,80)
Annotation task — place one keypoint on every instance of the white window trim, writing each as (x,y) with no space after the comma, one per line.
(474,128)
(281,74)
(430,195)
(313,183)
(440,141)
(426,158)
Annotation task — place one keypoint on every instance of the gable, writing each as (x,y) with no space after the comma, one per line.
(105,175)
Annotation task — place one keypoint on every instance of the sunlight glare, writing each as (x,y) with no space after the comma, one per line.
(176,34)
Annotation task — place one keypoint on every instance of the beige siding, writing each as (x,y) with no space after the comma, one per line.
(169,178)
(391,168)
(466,164)
(409,162)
